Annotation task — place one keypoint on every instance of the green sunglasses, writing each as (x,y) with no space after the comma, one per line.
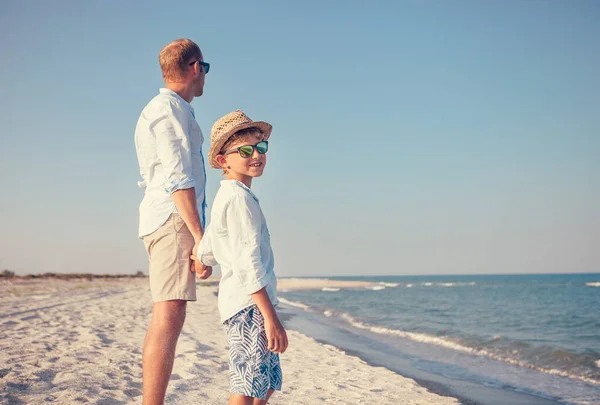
(246,151)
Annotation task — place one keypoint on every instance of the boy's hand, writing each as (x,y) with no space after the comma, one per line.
(203,272)
(276,335)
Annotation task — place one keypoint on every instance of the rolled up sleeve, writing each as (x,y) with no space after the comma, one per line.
(244,223)
(173,150)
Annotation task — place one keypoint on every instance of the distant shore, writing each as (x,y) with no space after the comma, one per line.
(283,284)
(293,284)
(10,275)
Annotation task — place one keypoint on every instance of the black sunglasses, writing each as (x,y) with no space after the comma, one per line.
(205,66)
(247,150)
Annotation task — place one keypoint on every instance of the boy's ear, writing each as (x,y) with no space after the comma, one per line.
(221,160)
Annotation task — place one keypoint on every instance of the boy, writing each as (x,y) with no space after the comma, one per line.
(238,240)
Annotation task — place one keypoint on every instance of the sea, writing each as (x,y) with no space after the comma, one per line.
(531,334)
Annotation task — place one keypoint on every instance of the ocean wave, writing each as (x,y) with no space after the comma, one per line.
(448,284)
(448,343)
(377,287)
(330,289)
(295,304)
(389,284)
(455,345)
(594,284)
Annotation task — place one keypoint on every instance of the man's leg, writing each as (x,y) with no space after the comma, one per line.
(159,349)
(172,284)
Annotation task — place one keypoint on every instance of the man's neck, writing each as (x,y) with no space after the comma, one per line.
(185,92)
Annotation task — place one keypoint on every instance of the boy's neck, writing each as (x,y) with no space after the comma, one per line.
(247,180)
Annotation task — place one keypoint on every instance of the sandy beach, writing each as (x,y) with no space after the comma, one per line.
(79,341)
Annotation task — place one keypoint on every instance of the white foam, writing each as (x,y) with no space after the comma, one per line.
(448,284)
(409,285)
(450,344)
(390,284)
(595,284)
(294,304)
(330,289)
(446,342)
(377,287)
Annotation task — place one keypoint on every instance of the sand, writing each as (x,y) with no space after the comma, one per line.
(70,342)
(291,284)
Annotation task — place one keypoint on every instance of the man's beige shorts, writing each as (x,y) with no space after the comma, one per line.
(169,249)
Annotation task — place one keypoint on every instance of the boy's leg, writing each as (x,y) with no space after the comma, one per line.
(265,401)
(247,340)
(236,399)
(159,349)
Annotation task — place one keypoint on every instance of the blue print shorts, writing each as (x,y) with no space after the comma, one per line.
(253,368)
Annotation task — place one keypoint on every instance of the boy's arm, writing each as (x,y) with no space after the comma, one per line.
(205,255)
(276,335)
(244,228)
(244,223)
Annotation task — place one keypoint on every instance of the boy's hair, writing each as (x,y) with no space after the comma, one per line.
(240,135)
(175,56)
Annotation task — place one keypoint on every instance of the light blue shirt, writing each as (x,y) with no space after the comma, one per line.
(168,142)
(238,240)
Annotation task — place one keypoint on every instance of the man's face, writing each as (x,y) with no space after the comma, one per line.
(198,75)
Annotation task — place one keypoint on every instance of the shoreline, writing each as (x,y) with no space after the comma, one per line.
(377,354)
(80,341)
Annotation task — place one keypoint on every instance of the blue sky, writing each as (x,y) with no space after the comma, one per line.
(410,137)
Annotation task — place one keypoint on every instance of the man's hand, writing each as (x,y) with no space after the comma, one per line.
(202,272)
(276,335)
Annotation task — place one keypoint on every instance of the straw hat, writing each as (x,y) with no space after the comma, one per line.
(228,125)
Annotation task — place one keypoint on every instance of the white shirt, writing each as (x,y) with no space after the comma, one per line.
(238,240)
(168,142)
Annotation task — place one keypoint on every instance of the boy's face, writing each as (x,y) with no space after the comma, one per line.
(252,166)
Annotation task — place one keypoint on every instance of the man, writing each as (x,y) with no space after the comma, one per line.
(168,142)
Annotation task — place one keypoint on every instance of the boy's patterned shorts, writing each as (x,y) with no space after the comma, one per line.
(253,369)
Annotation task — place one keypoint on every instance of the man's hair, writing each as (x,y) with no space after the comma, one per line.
(240,135)
(175,57)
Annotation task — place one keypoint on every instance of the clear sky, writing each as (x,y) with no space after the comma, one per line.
(410,137)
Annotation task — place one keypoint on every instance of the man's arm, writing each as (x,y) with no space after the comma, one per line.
(174,153)
(185,201)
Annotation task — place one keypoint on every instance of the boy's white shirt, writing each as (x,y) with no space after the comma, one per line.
(238,240)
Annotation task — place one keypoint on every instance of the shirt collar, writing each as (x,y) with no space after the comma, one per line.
(177,96)
(242,185)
